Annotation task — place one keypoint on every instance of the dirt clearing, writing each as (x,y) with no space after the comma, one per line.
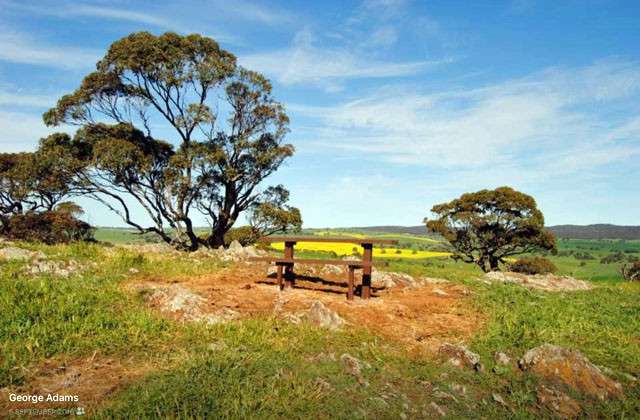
(420,314)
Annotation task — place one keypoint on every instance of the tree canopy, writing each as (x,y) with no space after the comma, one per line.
(151,133)
(487,226)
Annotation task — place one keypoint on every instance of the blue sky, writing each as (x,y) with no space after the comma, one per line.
(396,105)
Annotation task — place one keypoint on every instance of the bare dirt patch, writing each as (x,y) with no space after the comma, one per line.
(91,379)
(420,314)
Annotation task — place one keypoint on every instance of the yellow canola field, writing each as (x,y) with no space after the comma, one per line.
(385,235)
(347,249)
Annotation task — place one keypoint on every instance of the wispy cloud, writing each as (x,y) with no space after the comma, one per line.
(121,14)
(20,48)
(251,11)
(18,99)
(305,63)
(20,131)
(551,122)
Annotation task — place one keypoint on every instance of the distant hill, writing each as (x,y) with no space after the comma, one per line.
(599,231)
(411,230)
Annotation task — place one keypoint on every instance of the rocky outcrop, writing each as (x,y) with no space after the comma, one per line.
(324,317)
(558,402)
(570,368)
(234,253)
(182,304)
(502,359)
(548,282)
(460,356)
(353,366)
(19,254)
(56,268)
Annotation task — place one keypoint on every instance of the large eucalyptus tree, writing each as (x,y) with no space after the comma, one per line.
(173,124)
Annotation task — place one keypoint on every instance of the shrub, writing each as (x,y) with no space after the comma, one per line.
(246,235)
(50,227)
(533,265)
(613,258)
(583,256)
(631,272)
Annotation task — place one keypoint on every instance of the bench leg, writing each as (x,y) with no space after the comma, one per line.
(289,275)
(366,271)
(279,276)
(350,284)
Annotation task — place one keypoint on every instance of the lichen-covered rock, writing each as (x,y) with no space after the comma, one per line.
(388,279)
(571,368)
(502,359)
(548,282)
(353,367)
(20,254)
(181,303)
(324,317)
(56,268)
(558,402)
(351,364)
(460,356)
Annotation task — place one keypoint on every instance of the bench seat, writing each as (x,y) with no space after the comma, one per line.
(290,261)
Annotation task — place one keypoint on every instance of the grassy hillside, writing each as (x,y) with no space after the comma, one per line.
(264,367)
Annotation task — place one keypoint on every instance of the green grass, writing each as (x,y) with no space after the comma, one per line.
(266,368)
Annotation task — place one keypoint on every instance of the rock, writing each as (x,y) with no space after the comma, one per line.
(324,317)
(185,305)
(437,409)
(460,389)
(134,270)
(352,365)
(432,280)
(441,395)
(55,268)
(548,282)
(460,356)
(569,367)
(332,270)
(218,345)
(388,279)
(561,404)
(323,385)
(235,245)
(439,292)
(19,254)
(502,359)
(498,398)
(292,318)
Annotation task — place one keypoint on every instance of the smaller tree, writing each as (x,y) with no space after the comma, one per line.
(271,214)
(631,271)
(487,226)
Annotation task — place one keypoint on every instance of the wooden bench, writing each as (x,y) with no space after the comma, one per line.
(287,263)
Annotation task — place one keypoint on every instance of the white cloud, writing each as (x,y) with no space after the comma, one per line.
(19,48)
(120,14)
(385,36)
(242,9)
(20,131)
(305,63)
(25,100)
(544,122)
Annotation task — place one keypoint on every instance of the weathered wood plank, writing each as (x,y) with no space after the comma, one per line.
(358,241)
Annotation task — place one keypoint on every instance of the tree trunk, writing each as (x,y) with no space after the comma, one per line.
(216,239)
